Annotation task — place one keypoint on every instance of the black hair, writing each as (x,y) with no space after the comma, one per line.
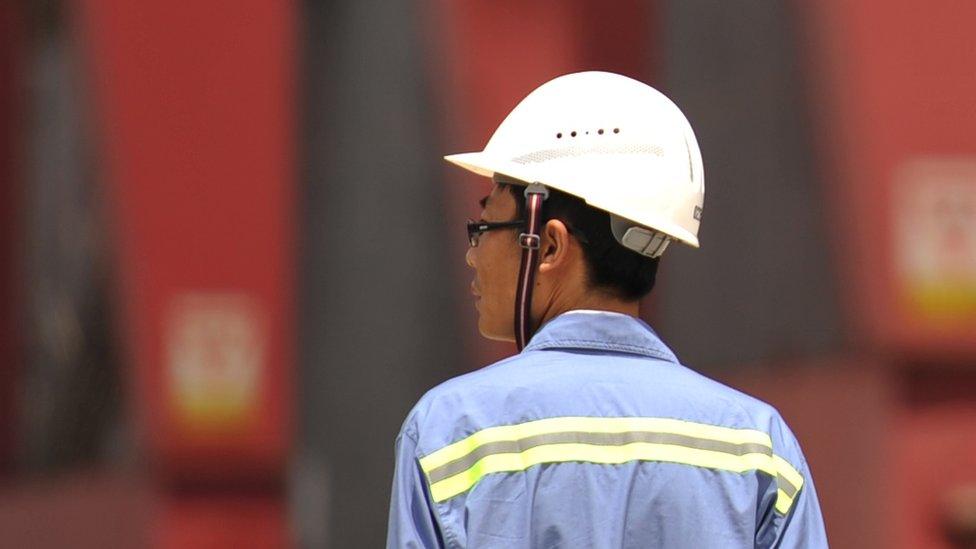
(621,272)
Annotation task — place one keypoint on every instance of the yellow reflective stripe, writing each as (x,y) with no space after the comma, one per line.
(789,472)
(739,460)
(786,470)
(465,446)
(556,453)
(783,501)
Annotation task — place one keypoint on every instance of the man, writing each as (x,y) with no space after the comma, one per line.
(593,435)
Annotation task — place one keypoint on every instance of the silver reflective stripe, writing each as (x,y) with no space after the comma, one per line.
(597,439)
(786,486)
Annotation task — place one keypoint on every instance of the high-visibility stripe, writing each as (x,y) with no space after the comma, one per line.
(783,501)
(599,439)
(788,472)
(456,468)
(591,425)
(789,481)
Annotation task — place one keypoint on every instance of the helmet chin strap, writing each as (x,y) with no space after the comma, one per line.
(535,195)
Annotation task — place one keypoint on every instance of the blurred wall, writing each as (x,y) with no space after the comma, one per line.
(377,306)
(11,123)
(764,282)
(897,125)
(70,410)
(805,113)
(11,50)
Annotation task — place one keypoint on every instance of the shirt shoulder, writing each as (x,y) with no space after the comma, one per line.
(442,405)
(551,383)
(721,399)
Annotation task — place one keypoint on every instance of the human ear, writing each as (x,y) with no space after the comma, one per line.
(555,246)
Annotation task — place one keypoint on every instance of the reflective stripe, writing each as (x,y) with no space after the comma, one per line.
(789,473)
(519,431)
(456,468)
(788,481)
(599,439)
(783,501)
(785,485)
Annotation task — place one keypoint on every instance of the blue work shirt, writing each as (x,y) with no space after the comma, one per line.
(595,436)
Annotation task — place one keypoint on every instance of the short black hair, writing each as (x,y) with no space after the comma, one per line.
(610,267)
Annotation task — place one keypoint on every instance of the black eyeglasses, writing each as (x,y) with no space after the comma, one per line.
(475,228)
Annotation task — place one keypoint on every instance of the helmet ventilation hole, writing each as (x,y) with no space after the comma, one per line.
(574,133)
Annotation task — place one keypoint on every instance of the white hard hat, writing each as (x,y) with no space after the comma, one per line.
(617,143)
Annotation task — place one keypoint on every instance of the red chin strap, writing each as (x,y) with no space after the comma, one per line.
(535,195)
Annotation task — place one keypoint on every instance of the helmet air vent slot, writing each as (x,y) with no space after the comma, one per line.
(605,148)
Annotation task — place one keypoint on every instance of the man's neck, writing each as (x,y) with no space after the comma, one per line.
(593,300)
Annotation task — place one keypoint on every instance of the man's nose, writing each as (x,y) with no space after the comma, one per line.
(469,257)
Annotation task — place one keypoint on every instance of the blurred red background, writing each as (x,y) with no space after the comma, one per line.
(231,260)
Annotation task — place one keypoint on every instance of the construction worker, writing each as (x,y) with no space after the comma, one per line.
(593,435)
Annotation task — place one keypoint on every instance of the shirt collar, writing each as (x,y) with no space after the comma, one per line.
(600,330)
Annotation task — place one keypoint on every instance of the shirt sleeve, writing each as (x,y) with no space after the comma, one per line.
(412,524)
(802,525)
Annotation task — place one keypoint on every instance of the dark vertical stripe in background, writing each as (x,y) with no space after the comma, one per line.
(376,313)
(763,283)
(11,35)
